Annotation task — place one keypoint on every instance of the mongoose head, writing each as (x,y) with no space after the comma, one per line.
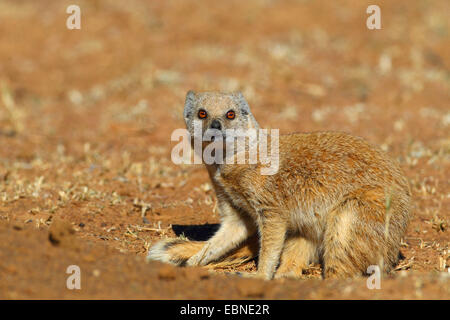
(219,111)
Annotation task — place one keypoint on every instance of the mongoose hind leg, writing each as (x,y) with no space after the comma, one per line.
(360,233)
(298,253)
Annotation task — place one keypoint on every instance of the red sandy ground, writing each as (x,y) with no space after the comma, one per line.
(86,117)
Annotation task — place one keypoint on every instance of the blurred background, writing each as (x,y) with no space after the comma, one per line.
(304,64)
(86,115)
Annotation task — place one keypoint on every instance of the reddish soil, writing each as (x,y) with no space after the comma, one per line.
(86,116)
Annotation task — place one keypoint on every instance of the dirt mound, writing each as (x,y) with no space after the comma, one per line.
(34,267)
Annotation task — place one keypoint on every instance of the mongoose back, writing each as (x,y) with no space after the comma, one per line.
(335,200)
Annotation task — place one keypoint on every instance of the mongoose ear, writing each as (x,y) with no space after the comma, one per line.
(189,104)
(243,104)
(245,110)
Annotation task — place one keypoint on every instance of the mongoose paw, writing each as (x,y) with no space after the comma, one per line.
(197,260)
(201,258)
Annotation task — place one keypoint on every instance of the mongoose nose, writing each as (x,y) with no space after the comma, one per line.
(216,125)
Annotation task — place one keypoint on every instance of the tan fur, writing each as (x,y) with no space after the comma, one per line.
(335,199)
(178,251)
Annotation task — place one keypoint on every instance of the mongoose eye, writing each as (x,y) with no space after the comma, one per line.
(231,115)
(202,114)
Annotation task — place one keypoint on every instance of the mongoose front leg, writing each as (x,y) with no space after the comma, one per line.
(272,237)
(234,229)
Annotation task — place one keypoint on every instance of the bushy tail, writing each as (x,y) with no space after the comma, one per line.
(177,251)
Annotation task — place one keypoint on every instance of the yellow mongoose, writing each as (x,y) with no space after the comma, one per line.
(335,200)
